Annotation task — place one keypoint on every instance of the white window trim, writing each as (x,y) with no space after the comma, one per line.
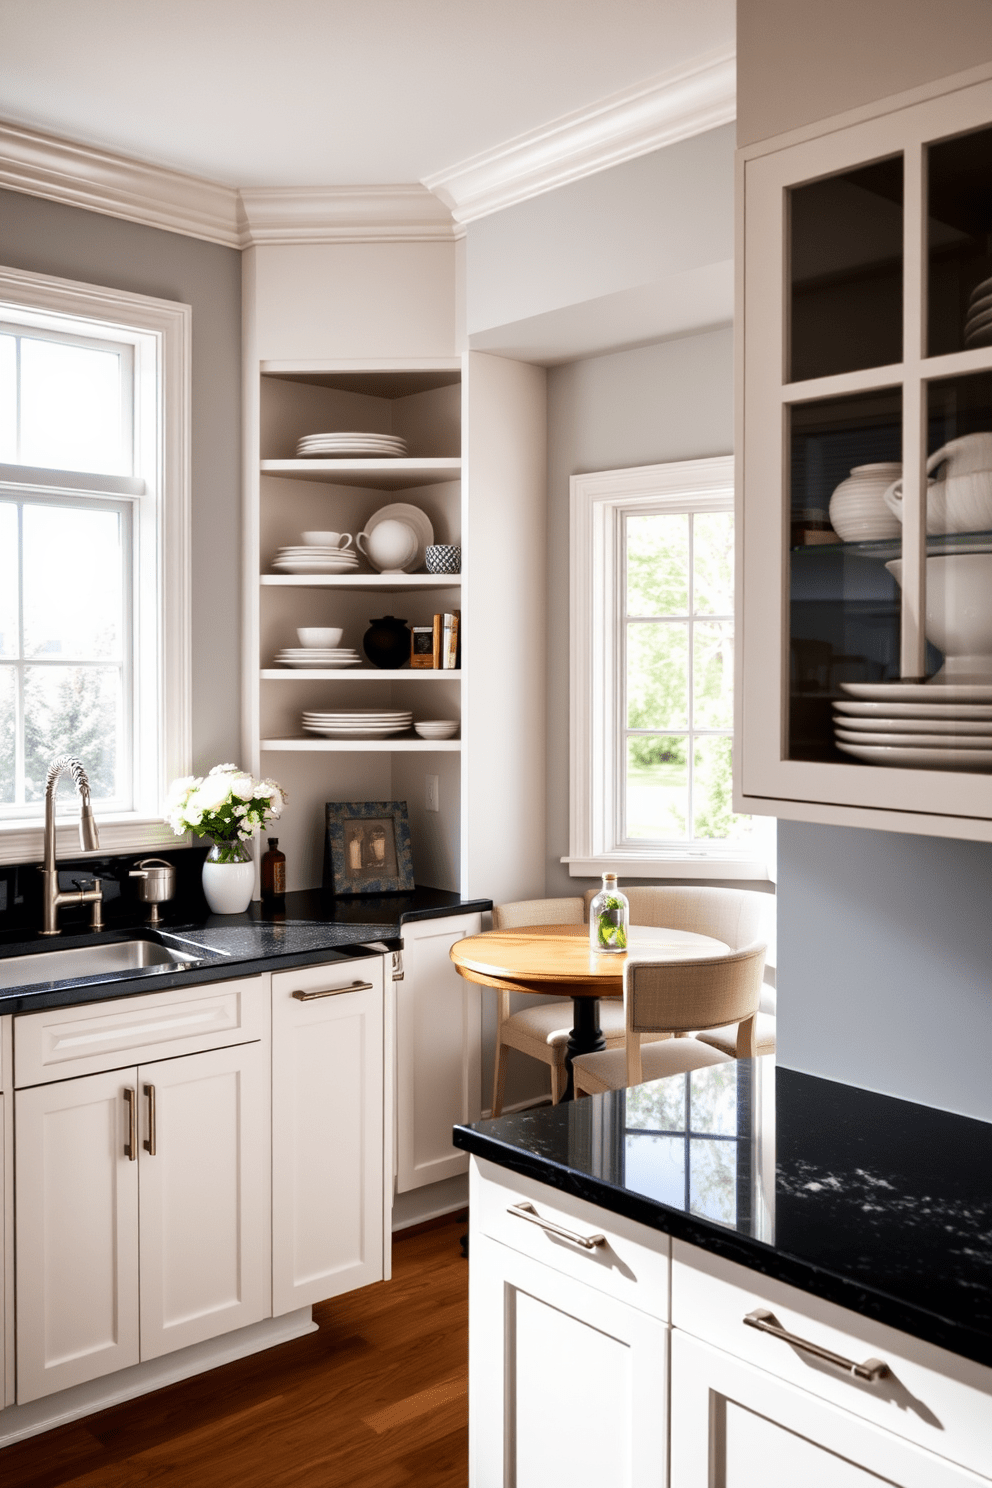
(167,375)
(594,578)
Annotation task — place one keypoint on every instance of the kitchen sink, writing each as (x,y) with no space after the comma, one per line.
(112,958)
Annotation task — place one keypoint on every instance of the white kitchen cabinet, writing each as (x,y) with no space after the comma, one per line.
(865,256)
(139,1234)
(567,1384)
(438,1052)
(734,1426)
(328,1129)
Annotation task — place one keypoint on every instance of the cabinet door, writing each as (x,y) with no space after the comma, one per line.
(734,1425)
(438,1052)
(76,1233)
(327,1132)
(566,1385)
(204,1197)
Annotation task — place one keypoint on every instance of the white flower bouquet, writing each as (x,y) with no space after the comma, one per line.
(228,805)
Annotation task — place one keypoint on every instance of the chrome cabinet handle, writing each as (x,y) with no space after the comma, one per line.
(765,1322)
(333,991)
(149,1143)
(131,1145)
(528,1212)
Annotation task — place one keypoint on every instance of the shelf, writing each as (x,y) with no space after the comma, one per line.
(356,674)
(938,544)
(380,475)
(388,583)
(363,746)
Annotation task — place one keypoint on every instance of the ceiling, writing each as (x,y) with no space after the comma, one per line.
(331,92)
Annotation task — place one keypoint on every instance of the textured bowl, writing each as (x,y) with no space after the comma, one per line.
(320,635)
(858,512)
(443,558)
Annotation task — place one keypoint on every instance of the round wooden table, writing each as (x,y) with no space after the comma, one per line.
(545,959)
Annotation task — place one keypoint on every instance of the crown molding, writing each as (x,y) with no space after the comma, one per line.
(79,175)
(669,107)
(356,214)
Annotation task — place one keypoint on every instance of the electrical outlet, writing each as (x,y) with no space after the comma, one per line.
(431,801)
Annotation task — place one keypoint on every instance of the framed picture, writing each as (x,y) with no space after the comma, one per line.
(368,848)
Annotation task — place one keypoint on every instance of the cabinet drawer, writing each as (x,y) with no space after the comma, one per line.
(632,1265)
(311,983)
(63,1043)
(929,1396)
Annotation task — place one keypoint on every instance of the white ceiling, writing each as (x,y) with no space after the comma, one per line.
(331,92)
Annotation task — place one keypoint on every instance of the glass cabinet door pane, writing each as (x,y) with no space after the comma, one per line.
(844,602)
(846,271)
(959,239)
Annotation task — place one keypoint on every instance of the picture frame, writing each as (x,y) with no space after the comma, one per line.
(367,848)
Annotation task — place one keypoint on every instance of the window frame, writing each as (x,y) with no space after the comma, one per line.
(598,501)
(160,496)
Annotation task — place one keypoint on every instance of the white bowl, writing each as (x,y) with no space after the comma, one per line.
(320,635)
(959,616)
(437,728)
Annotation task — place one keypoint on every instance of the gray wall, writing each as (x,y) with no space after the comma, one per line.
(48,238)
(670,401)
(885,963)
(803,60)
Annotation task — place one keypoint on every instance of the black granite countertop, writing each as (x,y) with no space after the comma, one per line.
(877,1204)
(310,927)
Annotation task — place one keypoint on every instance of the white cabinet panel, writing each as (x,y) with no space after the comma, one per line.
(77,1233)
(204,1197)
(734,1426)
(327,1131)
(439,1052)
(566,1385)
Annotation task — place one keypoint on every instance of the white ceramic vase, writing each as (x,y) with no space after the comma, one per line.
(228,878)
(858,511)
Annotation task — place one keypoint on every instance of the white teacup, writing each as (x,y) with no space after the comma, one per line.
(340,540)
(959,496)
(390,546)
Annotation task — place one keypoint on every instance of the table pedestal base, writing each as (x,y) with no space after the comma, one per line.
(586,1036)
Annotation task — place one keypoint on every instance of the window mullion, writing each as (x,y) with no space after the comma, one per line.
(19,740)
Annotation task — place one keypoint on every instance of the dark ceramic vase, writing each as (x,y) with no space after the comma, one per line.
(387,642)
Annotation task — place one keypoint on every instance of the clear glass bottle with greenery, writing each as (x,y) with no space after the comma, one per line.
(609,918)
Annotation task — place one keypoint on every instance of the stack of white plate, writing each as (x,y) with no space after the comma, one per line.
(437,728)
(308,558)
(351,445)
(918,725)
(318,656)
(978,324)
(359,723)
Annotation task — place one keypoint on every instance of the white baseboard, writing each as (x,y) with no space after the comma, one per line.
(20,1421)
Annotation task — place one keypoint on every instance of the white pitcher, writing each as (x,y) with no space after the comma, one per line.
(959,497)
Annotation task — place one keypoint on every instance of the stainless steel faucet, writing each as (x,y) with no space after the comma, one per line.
(89,840)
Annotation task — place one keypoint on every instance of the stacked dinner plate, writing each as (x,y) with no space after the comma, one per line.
(318,656)
(309,558)
(351,446)
(978,323)
(917,725)
(359,723)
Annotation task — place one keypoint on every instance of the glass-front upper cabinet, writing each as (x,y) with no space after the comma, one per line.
(865,690)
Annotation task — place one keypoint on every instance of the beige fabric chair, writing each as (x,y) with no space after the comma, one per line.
(735,916)
(542,1031)
(677,997)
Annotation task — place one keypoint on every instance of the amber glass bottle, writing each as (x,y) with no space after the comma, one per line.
(274,872)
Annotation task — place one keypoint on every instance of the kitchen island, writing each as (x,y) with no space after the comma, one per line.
(705,1215)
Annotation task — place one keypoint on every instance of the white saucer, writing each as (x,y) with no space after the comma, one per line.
(915,710)
(921,692)
(321,663)
(975,760)
(932,726)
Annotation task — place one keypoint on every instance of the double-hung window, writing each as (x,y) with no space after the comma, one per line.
(94,517)
(652,674)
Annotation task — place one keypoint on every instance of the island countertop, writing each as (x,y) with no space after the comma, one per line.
(879,1205)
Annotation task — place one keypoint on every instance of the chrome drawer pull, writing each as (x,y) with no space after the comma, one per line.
(334,991)
(528,1212)
(871,1370)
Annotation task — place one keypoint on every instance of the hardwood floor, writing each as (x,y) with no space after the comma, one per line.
(376,1399)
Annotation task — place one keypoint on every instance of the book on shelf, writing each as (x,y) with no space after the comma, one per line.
(438,641)
(422,646)
(451,640)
